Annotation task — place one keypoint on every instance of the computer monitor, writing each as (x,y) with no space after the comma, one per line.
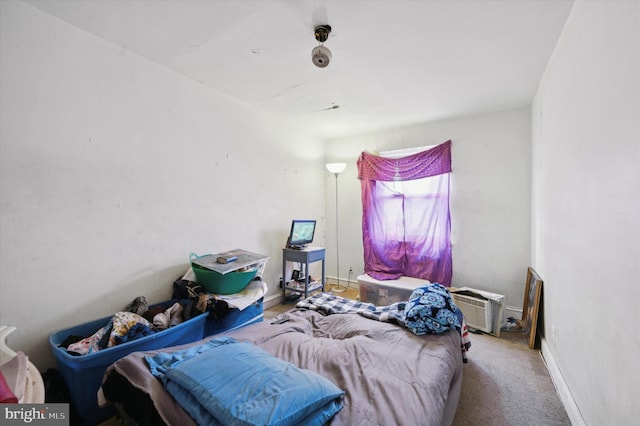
(301,233)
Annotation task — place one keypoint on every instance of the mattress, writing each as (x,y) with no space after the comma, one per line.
(389,375)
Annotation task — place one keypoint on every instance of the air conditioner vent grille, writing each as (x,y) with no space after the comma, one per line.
(471,301)
(477,312)
(482,310)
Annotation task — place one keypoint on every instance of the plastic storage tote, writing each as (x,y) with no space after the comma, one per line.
(383,293)
(83,374)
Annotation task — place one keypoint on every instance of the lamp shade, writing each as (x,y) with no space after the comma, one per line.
(336,167)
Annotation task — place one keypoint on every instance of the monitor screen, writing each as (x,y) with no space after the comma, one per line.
(301,233)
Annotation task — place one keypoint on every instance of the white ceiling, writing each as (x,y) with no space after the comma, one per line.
(395,62)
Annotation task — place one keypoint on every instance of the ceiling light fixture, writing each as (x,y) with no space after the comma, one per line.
(321,55)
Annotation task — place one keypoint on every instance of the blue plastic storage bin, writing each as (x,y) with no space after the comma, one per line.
(83,374)
(234,319)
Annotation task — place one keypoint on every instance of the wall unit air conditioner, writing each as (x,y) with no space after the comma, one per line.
(482,310)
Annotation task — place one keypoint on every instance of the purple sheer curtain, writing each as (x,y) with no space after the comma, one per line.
(406,223)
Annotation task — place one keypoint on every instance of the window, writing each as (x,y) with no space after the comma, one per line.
(406,220)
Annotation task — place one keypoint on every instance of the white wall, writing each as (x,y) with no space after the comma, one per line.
(113,169)
(586,185)
(490,196)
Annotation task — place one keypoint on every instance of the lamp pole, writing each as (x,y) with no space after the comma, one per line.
(336,169)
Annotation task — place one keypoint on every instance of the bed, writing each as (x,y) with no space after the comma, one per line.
(389,374)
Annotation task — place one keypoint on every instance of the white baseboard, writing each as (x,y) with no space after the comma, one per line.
(561,386)
(271,301)
(510,311)
(331,280)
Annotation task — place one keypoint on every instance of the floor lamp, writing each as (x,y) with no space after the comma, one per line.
(336,169)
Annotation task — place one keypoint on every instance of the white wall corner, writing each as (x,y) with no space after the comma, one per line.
(561,386)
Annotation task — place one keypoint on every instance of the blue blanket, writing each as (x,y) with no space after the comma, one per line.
(228,382)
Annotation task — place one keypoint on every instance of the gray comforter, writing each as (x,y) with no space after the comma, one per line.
(391,376)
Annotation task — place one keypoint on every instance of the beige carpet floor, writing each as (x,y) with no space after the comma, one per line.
(506,383)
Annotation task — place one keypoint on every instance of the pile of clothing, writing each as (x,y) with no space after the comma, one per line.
(135,321)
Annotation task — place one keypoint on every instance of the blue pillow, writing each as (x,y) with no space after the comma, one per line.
(235,383)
